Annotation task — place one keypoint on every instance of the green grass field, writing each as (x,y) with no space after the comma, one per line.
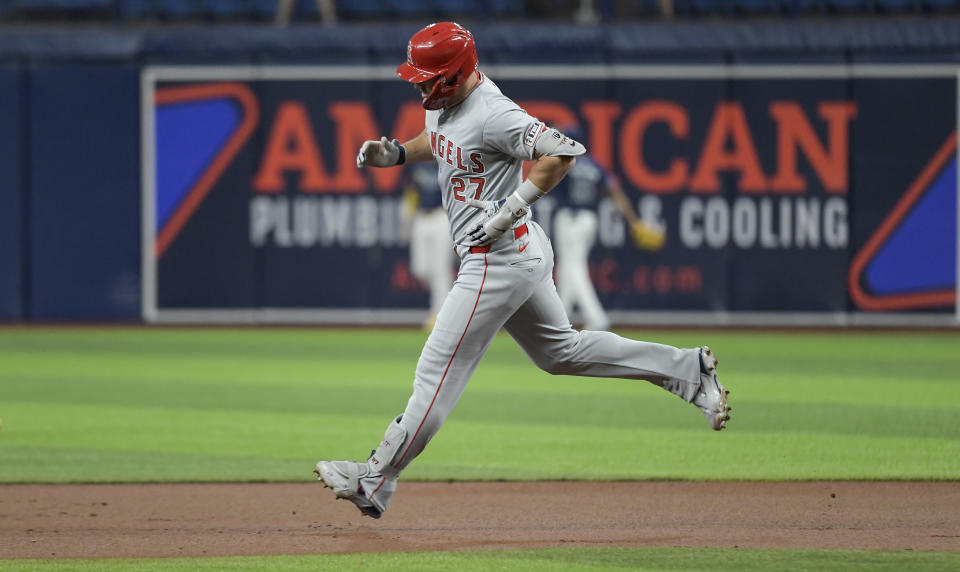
(167,404)
(559,559)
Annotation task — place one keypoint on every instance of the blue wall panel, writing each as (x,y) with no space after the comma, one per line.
(84,243)
(10,195)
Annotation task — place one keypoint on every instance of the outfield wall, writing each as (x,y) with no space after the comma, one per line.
(139,187)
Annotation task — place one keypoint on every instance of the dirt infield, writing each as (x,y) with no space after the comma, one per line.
(88,521)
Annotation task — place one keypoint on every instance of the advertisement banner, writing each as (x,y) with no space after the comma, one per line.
(817,190)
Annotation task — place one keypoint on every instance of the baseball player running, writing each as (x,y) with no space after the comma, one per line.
(479,139)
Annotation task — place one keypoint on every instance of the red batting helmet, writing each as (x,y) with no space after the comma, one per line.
(444,49)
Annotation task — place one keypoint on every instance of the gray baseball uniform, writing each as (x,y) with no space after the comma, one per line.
(480,145)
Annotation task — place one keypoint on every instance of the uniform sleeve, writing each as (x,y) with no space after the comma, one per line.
(512,131)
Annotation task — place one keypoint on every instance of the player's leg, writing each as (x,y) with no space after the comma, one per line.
(594,318)
(440,251)
(450,355)
(489,288)
(576,236)
(573,276)
(483,297)
(420,247)
(541,327)
(564,243)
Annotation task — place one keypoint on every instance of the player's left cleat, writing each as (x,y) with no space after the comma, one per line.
(344,478)
(711,398)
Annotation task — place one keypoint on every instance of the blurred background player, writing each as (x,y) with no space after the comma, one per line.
(577,197)
(431,250)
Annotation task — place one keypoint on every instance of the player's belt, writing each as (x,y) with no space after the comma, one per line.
(517,233)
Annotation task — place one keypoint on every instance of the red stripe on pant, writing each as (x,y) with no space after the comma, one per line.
(444,376)
(517,233)
(370,496)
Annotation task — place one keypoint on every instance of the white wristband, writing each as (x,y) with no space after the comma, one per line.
(528,192)
(519,201)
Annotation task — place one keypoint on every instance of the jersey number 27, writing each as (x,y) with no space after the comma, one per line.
(460,186)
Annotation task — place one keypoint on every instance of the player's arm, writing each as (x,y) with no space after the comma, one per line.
(615,190)
(644,236)
(548,171)
(555,155)
(387,153)
(418,148)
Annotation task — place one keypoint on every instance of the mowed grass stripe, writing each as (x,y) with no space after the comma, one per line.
(317,356)
(635,405)
(766,350)
(561,559)
(50,376)
(569,452)
(222,433)
(354,397)
(218,342)
(76,465)
(159,440)
(198,369)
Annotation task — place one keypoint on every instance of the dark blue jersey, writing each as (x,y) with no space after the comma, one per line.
(583,187)
(423,179)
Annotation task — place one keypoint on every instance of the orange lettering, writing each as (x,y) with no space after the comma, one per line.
(631,146)
(606,275)
(291,146)
(551,113)
(728,124)
(356,124)
(600,116)
(794,133)
(641,279)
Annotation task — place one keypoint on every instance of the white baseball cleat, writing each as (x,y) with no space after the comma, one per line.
(344,478)
(712,397)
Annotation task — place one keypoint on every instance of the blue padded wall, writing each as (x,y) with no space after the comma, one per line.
(84,163)
(11,191)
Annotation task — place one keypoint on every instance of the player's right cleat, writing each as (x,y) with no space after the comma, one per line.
(711,398)
(344,478)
